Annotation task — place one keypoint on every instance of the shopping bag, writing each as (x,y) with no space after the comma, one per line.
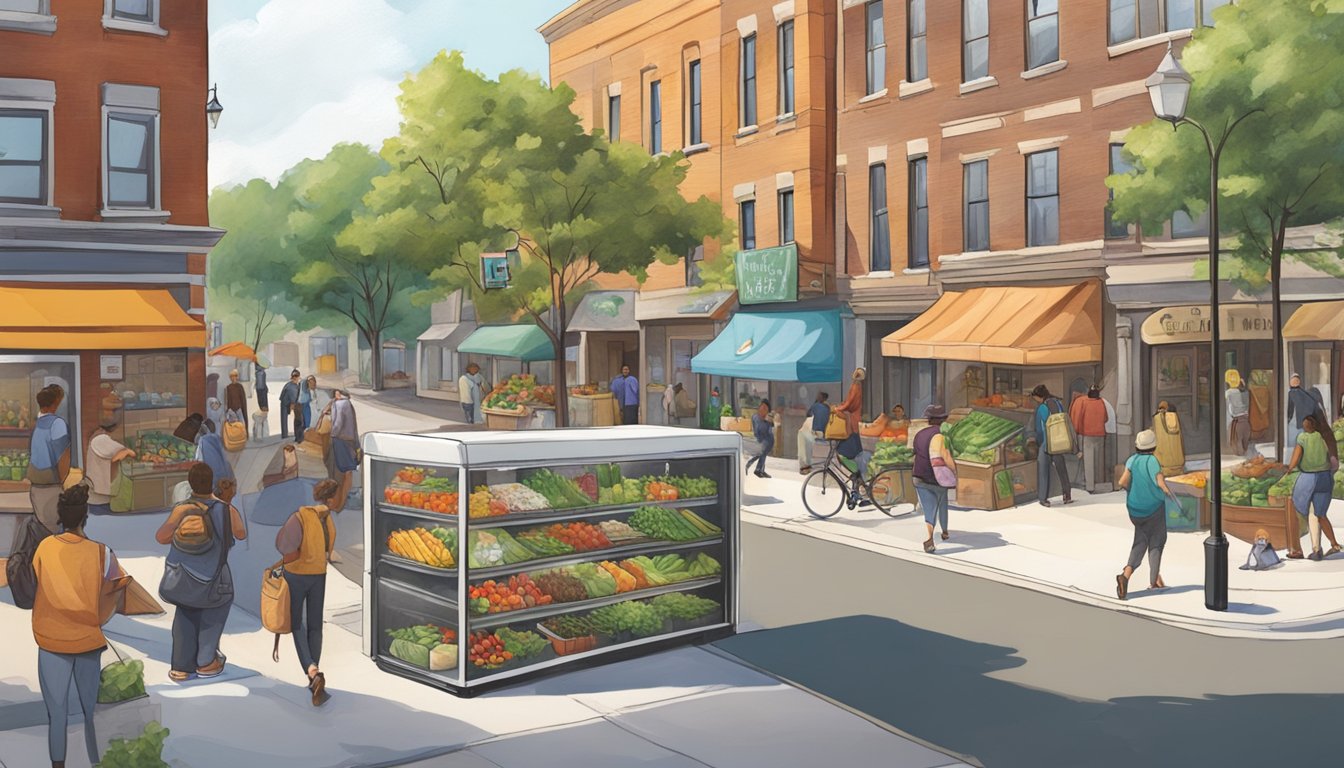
(275,604)
(235,435)
(123,493)
(837,426)
(1058,430)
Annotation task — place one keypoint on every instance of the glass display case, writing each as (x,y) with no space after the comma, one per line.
(494,555)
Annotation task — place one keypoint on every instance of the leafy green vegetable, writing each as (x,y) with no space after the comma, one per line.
(122,681)
(682,606)
(640,619)
(144,751)
(411,653)
(521,644)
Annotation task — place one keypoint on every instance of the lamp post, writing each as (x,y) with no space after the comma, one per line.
(214,109)
(1169,88)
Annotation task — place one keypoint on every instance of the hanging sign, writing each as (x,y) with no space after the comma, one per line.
(1185,325)
(767,275)
(495,270)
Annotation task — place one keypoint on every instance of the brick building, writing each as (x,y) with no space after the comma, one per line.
(103,219)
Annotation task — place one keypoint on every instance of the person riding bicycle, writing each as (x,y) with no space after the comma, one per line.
(855,459)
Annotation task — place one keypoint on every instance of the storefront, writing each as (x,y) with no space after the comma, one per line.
(508,350)
(608,336)
(674,327)
(1315,337)
(440,366)
(882,306)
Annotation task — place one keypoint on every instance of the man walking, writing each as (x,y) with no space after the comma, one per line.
(763,429)
(1238,413)
(1088,415)
(813,429)
(343,458)
(471,392)
(289,407)
(235,400)
(49,457)
(263,394)
(625,388)
(1048,405)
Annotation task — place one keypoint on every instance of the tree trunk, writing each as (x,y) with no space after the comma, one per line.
(375,339)
(1280,391)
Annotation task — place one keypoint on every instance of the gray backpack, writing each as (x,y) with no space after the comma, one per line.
(1262,556)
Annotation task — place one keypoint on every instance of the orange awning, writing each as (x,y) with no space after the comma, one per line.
(95,318)
(1011,325)
(1317,321)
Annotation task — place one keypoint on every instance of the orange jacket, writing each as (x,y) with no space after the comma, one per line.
(1088,416)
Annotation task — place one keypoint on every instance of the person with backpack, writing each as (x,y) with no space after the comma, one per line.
(934,473)
(75,577)
(1146,501)
(49,457)
(305,543)
(196,575)
(1054,440)
(1314,486)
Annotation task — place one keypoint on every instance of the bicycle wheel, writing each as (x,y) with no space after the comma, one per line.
(887,491)
(824,493)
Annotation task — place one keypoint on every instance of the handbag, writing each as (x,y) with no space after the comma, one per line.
(185,589)
(837,426)
(275,616)
(942,473)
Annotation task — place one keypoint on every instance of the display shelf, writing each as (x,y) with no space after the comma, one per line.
(494,620)
(445,677)
(411,565)
(516,519)
(447,521)
(414,591)
(592,555)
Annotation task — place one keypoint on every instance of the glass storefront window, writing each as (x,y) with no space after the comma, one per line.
(21,378)
(153,381)
(748,394)
(655,339)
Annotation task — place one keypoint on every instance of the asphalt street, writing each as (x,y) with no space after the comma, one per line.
(1015,678)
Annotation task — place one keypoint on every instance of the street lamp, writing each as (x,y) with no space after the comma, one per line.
(214,109)
(1169,88)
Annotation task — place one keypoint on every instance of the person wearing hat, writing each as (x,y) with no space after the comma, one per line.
(1238,413)
(932,454)
(1146,500)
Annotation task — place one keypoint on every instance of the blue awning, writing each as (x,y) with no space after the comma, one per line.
(776,346)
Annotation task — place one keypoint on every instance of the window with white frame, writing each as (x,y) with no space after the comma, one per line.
(27,16)
(614,117)
(917,53)
(786,70)
(1042,32)
(875,40)
(134,10)
(695,113)
(879,238)
(919,213)
(131,147)
(785,216)
(24,6)
(1135,19)
(25,157)
(748,82)
(975,189)
(975,40)
(1043,198)
(655,117)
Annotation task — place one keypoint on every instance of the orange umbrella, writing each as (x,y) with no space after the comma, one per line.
(239,350)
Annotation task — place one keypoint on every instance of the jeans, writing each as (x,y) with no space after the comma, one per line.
(1150,535)
(807,442)
(54,672)
(306,413)
(933,500)
(196,635)
(759,459)
(1043,462)
(469,412)
(286,413)
(307,593)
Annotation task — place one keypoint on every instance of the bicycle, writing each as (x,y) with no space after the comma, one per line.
(837,485)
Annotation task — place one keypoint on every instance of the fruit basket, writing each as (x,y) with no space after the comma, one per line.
(565,646)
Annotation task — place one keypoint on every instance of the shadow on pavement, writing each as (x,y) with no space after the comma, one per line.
(938,688)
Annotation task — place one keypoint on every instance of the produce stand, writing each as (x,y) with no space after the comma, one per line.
(1256,494)
(579,546)
(595,410)
(161,462)
(1192,510)
(513,403)
(511,420)
(992,467)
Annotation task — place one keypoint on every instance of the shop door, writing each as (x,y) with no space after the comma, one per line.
(616,359)
(1181,379)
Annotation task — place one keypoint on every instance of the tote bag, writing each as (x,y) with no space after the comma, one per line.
(235,435)
(837,426)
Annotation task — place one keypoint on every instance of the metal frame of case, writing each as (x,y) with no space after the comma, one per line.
(453,451)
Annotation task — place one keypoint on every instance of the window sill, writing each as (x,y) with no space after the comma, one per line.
(695,149)
(20,21)
(134,216)
(22,211)
(874,96)
(877,274)
(1045,69)
(978,84)
(787,117)
(1129,46)
(142,27)
(747,131)
(915,271)
(914,89)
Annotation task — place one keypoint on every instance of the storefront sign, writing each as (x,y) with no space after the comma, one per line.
(111,367)
(1185,325)
(767,275)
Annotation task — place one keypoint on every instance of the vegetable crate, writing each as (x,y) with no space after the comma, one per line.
(1281,522)
(975,487)
(504,419)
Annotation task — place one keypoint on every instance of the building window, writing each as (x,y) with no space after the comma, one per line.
(748,116)
(879,238)
(24,156)
(134,10)
(917,55)
(919,212)
(1116,230)
(695,128)
(875,40)
(785,216)
(693,262)
(1042,32)
(747,213)
(24,6)
(1134,19)
(975,40)
(786,68)
(1207,7)
(975,189)
(131,156)
(1184,225)
(1043,198)
(655,117)
(614,118)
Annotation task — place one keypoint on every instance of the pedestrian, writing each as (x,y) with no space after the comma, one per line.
(49,457)
(289,406)
(210,450)
(318,401)
(1146,501)
(1046,406)
(343,458)
(932,454)
(263,392)
(1314,486)
(763,429)
(625,388)
(102,464)
(305,543)
(235,400)
(304,417)
(1238,413)
(1088,414)
(1112,448)
(1170,451)
(197,581)
(471,392)
(852,405)
(683,406)
(1301,404)
(813,429)
(214,410)
(76,581)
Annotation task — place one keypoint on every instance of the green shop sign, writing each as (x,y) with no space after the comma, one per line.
(767,275)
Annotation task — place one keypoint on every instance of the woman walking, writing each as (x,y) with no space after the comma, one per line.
(931,485)
(305,543)
(1312,491)
(1146,502)
(305,420)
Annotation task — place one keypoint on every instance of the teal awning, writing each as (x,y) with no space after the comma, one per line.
(525,342)
(776,346)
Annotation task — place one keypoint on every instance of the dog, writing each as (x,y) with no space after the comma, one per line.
(260,429)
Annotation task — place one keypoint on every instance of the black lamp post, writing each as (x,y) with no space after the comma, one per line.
(1169,88)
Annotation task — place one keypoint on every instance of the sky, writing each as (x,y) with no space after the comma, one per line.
(297,77)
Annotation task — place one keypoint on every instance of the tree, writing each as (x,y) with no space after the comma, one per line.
(248,272)
(1280,169)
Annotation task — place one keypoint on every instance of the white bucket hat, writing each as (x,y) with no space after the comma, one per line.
(1145,440)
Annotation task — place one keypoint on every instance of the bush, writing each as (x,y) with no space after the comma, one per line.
(144,751)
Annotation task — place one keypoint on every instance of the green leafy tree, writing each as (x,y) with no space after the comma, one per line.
(1280,169)
(249,271)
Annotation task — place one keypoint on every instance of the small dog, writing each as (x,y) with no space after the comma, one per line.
(260,429)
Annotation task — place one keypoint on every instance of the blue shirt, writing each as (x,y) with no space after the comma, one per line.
(51,438)
(1145,497)
(626,390)
(820,413)
(763,429)
(210,450)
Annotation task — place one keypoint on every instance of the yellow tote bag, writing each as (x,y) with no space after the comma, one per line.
(837,427)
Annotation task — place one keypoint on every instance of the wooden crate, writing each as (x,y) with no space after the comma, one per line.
(505,419)
(1023,474)
(1281,523)
(975,486)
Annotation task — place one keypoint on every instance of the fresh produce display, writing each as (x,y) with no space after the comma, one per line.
(122,681)
(517,593)
(597,581)
(1250,483)
(544,545)
(1284,487)
(639,619)
(487,650)
(618,531)
(482,503)
(13,465)
(890,453)
(624,581)
(517,497)
(157,450)
(521,644)
(560,491)
(683,607)
(977,432)
(583,537)
(657,490)
(1193,479)
(561,587)
(608,475)
(568,627)
(702,566)
(1258,467)
(494,546)
(413,475)
(421,546)
(672,525)
(443,502)
(637,571)
(587,483)
(663,569)
(519,390)
(691,487)
(628,491)
(425,645)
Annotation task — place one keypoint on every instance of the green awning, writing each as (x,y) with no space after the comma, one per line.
(525,342)
(776,346)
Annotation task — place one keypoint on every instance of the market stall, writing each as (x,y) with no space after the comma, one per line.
(1256,494)
(994,470)
(515,358)
(574,545)
(519,402)
(592,405)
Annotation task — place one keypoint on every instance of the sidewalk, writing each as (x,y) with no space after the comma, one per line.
(1074,552)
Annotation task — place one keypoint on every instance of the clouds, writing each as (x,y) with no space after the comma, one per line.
(302,75)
